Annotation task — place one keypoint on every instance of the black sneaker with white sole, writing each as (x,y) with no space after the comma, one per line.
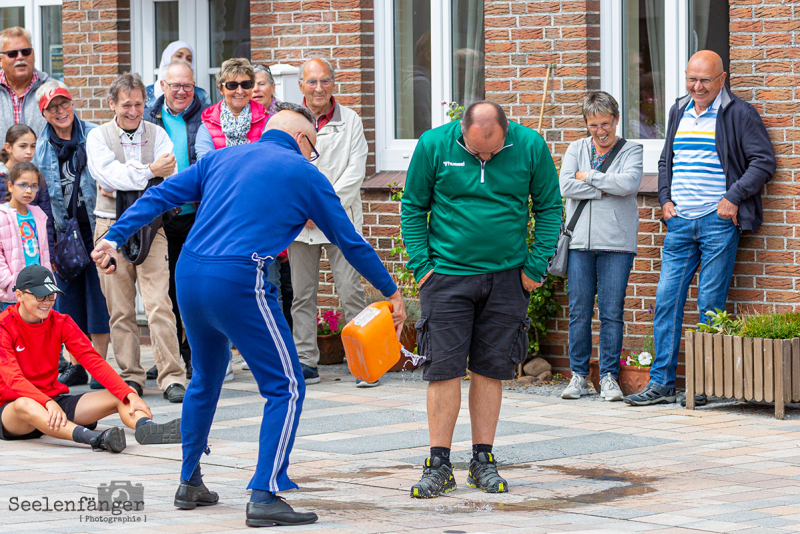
(652,394)
(437,478)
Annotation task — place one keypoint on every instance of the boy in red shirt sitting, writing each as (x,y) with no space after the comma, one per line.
(32,400)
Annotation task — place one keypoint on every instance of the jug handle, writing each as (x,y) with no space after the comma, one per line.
(384,304)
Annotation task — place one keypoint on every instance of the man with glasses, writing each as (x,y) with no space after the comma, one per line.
(19,81)
(125,155)
(717,156)
(342,150)
(178,111)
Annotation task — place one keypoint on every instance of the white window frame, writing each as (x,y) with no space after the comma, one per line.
(33,21)
(392,153)
(612,71)
(192,28)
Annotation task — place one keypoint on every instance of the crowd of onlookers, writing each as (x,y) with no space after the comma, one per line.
(68,180)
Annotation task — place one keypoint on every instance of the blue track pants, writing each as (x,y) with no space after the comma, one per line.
(223,299)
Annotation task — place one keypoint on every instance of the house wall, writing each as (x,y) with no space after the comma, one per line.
(97,48)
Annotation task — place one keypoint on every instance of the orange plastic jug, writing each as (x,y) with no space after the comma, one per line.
(370,342)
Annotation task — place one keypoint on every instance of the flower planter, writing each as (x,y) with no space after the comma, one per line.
(742,368)
(331,350)
(632,379)
(408,338)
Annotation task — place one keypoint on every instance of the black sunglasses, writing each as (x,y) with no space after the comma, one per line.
(13,53)
(232,86)
(315,155)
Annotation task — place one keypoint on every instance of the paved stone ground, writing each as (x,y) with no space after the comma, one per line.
(573,466)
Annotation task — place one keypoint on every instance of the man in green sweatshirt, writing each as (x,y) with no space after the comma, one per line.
(465,221)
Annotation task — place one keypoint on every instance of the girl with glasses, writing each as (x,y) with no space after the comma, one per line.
(23,229)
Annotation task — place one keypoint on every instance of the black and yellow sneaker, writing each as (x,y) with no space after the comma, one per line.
(483,474)
(437,478)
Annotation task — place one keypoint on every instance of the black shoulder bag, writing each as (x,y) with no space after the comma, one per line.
(71,255)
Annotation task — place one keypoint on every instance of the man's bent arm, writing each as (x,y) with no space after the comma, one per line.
(348,186)
(327,212)
(178,190)
(760,156)
(416,205)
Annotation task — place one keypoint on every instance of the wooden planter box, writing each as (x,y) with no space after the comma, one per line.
(743,368)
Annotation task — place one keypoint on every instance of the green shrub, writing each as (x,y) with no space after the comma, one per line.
(771,326)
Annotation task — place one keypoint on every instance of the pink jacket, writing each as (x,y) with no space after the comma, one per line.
(12,256)
(211,118)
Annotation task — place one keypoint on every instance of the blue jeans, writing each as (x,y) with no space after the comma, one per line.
(711,240)
(605,274)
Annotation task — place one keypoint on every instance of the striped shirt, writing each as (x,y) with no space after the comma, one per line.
(17,100)
(698,181)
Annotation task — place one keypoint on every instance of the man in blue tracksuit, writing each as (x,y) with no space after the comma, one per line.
(256,199)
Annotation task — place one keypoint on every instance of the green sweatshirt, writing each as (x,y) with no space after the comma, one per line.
(479,211)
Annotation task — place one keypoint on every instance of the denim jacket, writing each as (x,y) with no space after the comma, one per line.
(45,158)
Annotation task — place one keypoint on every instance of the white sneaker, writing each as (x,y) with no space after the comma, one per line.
(364,384)
(229,373)
(609,389)
(245,367)
(577,387)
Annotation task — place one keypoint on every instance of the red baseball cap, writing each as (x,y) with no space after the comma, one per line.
(50,95)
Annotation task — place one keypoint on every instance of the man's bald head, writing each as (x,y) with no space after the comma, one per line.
(292,123)
(484,127)
(705,78)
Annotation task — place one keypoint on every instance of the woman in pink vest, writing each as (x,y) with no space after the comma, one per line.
(236,119)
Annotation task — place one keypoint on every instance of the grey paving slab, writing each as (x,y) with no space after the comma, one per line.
(590,443)
(256,409)
(404,440)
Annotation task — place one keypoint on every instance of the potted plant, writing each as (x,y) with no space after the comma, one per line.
(755,357)
(634,366)
(329,337)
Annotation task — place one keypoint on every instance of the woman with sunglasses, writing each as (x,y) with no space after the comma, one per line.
(61,157)
(237,119)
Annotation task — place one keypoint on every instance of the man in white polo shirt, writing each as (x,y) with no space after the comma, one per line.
(716,158)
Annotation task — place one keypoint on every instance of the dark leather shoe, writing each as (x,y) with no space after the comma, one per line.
(135,386)
(175,393)
(152,373)
(190,497)
(74,375)
(276,514)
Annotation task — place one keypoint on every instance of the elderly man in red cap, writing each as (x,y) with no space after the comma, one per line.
(61,157)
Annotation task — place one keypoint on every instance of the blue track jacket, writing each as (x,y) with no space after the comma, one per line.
(256,198)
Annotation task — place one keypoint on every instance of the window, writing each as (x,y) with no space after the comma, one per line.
(427,52)
(217,29)
(43,19)
(645,45)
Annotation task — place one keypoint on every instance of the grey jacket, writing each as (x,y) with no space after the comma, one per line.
(30,109)
(610,221)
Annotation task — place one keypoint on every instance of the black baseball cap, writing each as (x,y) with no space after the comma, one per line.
(38,280)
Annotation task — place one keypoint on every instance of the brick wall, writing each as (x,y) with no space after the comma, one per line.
(97,48)
(340,31)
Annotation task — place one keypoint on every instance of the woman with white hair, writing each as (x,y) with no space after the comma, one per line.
(175,50)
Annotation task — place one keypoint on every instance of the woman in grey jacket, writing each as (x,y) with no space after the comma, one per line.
(603,243)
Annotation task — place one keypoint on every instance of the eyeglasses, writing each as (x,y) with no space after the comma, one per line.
(25,186)
(605,126)
(326,82)
(315,154)
(51,297)
(188,87)
(704,81)
(53,108)
(232,86)
(12,54)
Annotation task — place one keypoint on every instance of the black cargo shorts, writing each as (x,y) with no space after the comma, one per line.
(476,322)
